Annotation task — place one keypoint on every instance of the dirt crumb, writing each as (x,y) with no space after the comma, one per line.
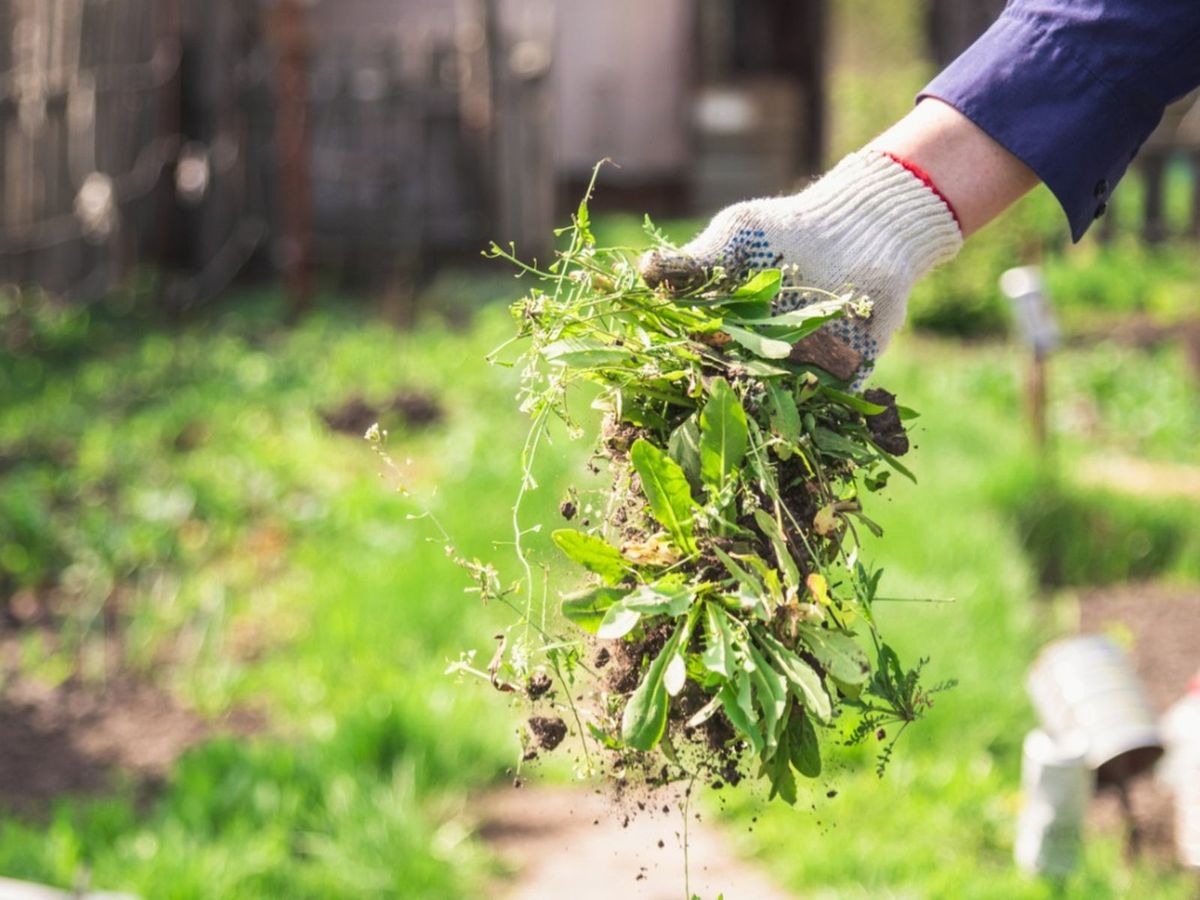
(549,730)
(885,427)
(539,684)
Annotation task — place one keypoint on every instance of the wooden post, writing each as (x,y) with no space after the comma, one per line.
(291,41)
(953,25)
(1036,393)
(1023,286)
(1154,225)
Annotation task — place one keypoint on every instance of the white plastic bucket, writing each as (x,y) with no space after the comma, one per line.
(1187,812)
(1084,688)
(1180,770)
(1056,785)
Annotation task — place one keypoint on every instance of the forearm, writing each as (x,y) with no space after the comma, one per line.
(978,177)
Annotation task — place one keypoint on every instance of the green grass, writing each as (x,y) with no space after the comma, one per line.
(190,467)
(940,823)
(266,524)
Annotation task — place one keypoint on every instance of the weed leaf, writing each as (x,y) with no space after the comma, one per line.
(768,348)
(667,492)
(587,608)
(645,717)
(723,434)
(838,653)
(593,553)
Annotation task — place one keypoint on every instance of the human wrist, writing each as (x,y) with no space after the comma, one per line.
(978,176)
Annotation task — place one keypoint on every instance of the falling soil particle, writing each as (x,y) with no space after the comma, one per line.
(885,427)
(549,731)
(539,684)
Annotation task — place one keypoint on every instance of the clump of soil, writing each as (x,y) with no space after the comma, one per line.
(538,686)
(548,730)
(412,408)
(885,427)
(710,749)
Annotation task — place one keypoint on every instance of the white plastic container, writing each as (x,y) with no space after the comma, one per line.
(1180,770)
(1084,688)
(1056,784)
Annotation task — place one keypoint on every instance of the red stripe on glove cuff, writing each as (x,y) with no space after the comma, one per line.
(927,181)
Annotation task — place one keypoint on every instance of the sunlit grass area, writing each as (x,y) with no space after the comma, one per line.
(265,561)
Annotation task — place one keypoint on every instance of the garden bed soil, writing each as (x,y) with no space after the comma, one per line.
(79,737)
(413,408)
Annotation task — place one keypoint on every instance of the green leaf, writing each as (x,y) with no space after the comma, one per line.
(618,621)
(832,442)
(745,578)
(735,700)
(581,353)
(838,653)
(803,681)
(723,434)
(814,313)
(768,348)
(644,720)
(593,553)
(895,463)
(718,645)
(858,404)
(632,410)
(772,691)
(763,369)
(667,492)
(665,598)
(771,529)
(763,285)
(587,608)
(684,448)
(778,770)
(784,416)
(803,746)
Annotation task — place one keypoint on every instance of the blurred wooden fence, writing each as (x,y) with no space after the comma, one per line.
(149,130)
(82,143)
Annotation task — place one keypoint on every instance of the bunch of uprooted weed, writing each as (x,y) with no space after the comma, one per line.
(732,613)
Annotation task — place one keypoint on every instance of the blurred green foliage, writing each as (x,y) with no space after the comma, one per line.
(941,823)
(361,783)
(184,477)
(1089,536)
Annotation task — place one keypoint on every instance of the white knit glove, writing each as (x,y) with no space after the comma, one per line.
(870,225)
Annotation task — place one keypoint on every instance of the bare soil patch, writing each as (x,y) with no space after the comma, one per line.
(572,842)
(83,738)
(1163,625)
(412,408)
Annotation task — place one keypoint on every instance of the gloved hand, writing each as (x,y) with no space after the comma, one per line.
(871,224)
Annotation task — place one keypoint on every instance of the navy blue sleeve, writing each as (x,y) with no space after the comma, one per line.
(1073,87)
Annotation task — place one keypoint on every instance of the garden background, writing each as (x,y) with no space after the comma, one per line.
(224,633)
